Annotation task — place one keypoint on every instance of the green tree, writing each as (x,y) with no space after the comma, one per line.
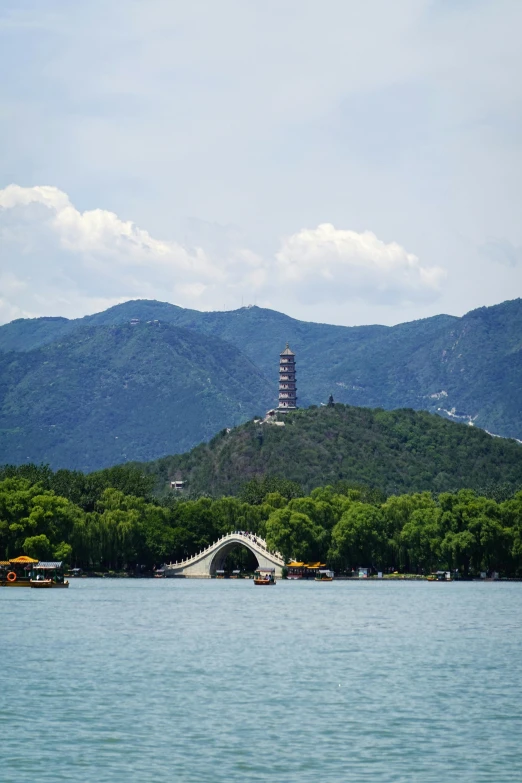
(421,539)
(511,516)
(38,547)
(63,553)
(295,535)
(398,513)
(16,496)
(321,513)
(458,549)
(358,538)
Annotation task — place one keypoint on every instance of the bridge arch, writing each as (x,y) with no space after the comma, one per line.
(218,561)
(207,562)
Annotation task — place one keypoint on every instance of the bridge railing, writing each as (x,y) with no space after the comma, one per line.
(254,540)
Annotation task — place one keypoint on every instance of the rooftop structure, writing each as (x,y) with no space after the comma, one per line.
(287,385)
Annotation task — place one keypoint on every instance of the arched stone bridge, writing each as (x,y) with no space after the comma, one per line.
(207,562)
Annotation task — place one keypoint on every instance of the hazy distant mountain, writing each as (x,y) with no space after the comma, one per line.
(103,395)
(467,368)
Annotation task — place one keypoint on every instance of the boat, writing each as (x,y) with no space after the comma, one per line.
(17,572)
(48,574)
(299,570)
(440,576)
(25,571)
(41,582)
(264,576)
(324,575)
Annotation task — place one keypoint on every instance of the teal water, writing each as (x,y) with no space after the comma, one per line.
(142,680)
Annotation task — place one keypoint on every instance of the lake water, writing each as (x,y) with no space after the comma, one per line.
(196,680)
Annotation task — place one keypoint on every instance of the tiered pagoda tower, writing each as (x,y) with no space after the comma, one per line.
(287,387)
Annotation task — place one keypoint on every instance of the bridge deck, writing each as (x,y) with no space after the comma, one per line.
(204,563)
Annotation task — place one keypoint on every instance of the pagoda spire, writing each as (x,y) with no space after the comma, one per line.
(287,385)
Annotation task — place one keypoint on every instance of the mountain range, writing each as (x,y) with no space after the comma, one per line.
(145,379)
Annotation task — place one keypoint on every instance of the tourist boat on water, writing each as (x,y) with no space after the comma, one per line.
(49,574)
(264,576)
(324,575)
(25,571)
(17,572)
(298,570)
(41,581)
(440,576)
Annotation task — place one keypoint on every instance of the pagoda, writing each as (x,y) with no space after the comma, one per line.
(287,387)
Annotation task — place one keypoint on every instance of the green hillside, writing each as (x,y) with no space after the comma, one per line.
(104,395)
(394,451)
(469,367)
(466,369)
(25,334)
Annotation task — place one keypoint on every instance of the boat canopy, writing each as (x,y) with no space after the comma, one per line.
(51,564)
(23,559)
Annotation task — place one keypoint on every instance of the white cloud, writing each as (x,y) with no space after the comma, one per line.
(403,117)
(57,259)
(341,264)
(60,261)
(9,312)
(14,195)
(99,232)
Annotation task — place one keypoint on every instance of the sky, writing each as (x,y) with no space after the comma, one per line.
(340,161)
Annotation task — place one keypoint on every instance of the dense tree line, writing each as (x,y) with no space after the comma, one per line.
(110,520)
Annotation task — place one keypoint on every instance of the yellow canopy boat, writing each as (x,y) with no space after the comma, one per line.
(25,571)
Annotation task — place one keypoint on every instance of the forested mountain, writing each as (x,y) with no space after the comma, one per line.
(106,394)
(392,451)
(468,369)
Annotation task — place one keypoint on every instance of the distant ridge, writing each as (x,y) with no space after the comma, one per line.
(102,395)
(467,369)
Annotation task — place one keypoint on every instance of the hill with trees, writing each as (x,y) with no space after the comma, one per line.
(107,394)
(466,369)
(392,451)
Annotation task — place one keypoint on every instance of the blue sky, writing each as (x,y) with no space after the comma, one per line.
(340,161)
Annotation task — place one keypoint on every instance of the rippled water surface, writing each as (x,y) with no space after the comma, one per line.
(195,680)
